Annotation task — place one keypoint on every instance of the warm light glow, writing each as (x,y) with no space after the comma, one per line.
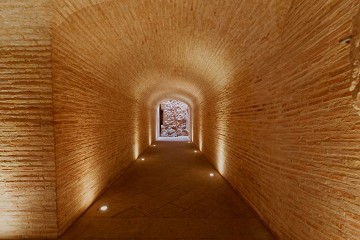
(222,125)
(195,151)
(150,134)
(89,186)
(200,139)
(103,208)
(149,115)
(9,223)
(137,137)
(136,150)
(154,145)
(220,163)
(211,174)
(142,159)
(199,58)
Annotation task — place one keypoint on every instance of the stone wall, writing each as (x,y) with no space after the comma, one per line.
(175,119)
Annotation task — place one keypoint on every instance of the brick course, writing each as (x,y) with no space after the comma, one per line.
(287,136)
(27,163)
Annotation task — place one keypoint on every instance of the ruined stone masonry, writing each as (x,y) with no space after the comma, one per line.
(175,119)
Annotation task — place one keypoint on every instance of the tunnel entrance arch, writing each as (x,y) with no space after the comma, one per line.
(173,121)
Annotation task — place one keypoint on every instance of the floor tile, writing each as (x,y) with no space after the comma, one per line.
(170,195)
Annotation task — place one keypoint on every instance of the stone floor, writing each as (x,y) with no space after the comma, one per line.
(174,139)
(169,195)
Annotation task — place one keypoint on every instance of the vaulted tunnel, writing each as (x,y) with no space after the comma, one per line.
(267,81)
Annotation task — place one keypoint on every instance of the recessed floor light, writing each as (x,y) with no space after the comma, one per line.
(195,151)
(346,40)
(211,174)
(153,145)
(103,208)
(142,159)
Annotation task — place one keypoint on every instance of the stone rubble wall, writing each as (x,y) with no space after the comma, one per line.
(175,118)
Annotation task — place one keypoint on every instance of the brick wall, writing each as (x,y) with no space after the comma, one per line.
(27,164)
(287,135)
(355,60)
(100,128)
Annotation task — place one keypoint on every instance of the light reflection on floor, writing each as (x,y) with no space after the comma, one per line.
(173,194)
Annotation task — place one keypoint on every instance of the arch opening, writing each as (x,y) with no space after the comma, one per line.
(173,122)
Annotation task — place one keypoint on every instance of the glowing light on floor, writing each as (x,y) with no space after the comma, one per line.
(142,159)
(153,145)
(195,151)
(103,208)
(211,174)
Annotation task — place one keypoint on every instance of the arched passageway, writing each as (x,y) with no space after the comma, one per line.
(273,108)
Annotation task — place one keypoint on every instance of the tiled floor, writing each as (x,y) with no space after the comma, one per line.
(169,195)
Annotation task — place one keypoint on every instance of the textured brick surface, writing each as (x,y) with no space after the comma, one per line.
(100,127)
(355,60)
(27,164)
(287,136)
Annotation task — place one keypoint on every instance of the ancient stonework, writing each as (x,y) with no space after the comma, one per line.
(175,119)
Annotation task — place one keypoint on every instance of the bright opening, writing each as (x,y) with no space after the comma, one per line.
(173,121)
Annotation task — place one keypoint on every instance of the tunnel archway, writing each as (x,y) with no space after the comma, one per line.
(269,100)
(173,121)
